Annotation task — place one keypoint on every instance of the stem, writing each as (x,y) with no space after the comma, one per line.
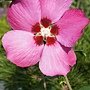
(68,84)
(44,84)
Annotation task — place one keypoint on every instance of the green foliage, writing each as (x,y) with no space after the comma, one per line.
(4,27)
(85,88)
(16,78)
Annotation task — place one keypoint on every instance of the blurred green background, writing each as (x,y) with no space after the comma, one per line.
(16,78)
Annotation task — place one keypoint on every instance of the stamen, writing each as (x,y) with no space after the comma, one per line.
(45,32)
(45,22)
(36,28)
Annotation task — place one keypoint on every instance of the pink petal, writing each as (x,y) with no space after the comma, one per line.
(54,61)
(71,27)
(54,9)
(71,55)
(21,48)
(22,14)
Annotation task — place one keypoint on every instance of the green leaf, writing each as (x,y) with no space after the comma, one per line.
(85,88)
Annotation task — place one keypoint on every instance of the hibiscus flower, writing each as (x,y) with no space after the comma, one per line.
(44,32)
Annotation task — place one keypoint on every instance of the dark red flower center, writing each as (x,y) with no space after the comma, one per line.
(45,22)
(45,32)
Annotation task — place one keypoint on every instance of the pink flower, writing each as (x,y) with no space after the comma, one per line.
(44,31)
